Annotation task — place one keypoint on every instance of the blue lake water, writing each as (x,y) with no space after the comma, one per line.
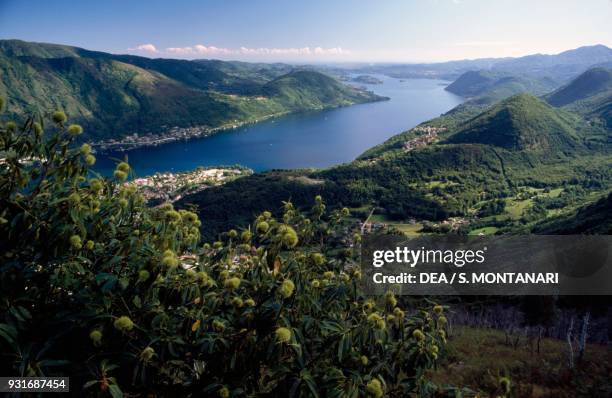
(314,139)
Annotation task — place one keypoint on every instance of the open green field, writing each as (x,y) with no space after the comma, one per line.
(477,358)
(484,231)
(515,208)
(439,184)
(410,229)
(554,193)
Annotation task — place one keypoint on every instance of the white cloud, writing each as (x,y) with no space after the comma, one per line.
(180,50)
(149,48)
(198,49)
(484,43)
(211,51)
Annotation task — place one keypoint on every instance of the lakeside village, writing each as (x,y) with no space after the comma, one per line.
(170,187)
(427,135)
(173,134)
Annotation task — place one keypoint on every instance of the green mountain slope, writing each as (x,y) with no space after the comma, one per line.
(600,108)
(521,122)
(591,83)
(594,218)
(590,94)
(434,184)
(117,95)
(20,48)
(484,88)
(232,76)
(312,90)
(539,75)
(109,98)
(495,86)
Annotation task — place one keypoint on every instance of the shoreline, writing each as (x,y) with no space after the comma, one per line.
(175,133)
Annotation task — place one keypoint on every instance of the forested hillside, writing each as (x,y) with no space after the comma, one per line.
(521,122)
(489,86)
(590,94)
(593,218)
(501,168)
(118,95)
(593,82)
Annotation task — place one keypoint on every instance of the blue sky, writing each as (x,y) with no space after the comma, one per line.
(313,30)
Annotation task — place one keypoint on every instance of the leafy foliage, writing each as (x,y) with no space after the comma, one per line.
(125,298)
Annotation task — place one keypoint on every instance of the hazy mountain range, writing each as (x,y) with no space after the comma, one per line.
(560,67)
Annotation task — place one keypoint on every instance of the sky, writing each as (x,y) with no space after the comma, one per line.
(313,31)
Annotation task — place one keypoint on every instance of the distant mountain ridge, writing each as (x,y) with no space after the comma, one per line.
(486,87)
(560,67)
(118,95)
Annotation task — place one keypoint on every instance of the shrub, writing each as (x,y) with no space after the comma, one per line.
(146,307)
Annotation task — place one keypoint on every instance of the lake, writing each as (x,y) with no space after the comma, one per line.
(313,139)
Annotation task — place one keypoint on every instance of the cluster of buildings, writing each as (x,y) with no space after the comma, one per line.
(136,140)
(370,227)
(170,187)
(175,133)
(428,134)
(450,224)
(455,222)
